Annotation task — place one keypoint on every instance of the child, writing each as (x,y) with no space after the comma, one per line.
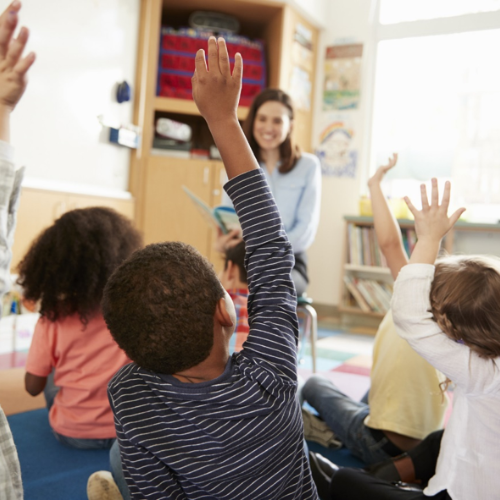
(234,280)
(13,70)
(449,314)
(193,422)
(405,403)
(66,268)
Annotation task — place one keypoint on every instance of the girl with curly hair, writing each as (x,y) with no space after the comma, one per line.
(73,356)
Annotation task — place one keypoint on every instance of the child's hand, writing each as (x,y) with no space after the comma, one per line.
(377,177)
(226,241)
(215,91)
(432,222)
(13,68)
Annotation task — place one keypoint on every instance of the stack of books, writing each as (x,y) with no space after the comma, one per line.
(363,247)
(370,295)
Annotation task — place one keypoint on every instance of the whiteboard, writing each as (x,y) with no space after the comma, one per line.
(84,48)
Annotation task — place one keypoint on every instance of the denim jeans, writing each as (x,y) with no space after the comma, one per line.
(116,468)
(345,417)
(50,392)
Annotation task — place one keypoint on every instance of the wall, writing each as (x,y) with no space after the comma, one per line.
(84,47)
(345,21)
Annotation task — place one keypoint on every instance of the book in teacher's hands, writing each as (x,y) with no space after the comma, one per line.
(223,218)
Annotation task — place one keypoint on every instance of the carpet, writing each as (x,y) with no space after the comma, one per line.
(49,469)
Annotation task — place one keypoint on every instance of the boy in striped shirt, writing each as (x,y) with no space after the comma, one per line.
(193,422)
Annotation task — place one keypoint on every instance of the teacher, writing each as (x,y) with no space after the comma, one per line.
(294,177)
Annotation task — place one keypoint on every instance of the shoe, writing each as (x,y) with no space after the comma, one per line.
(322,472)
(385,470)
(316,430)
(102,486)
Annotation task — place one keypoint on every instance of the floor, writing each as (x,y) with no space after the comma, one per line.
(343,357)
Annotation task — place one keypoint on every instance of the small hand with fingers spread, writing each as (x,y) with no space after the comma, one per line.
(216,91)
(377,177)
(432,222)
(13,67)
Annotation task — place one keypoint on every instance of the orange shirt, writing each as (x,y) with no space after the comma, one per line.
(85,359)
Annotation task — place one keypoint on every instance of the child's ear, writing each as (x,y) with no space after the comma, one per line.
(222,312)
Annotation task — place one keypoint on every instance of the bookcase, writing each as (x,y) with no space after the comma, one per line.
(162,211)
(366,282)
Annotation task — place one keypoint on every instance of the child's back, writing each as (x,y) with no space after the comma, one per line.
(184,434)
(83,360)
(66,269)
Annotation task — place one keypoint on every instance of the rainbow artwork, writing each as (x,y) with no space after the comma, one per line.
(335,152)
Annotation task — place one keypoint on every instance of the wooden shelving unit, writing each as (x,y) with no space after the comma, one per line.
(383,274)
(163,211)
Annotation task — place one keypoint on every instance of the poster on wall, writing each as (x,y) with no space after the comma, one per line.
(337,150)
(342,84)
(300,88)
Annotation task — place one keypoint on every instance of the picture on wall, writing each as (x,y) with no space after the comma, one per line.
(336,151)
(342,77)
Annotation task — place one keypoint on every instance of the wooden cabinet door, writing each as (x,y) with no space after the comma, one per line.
(169,214)
(37,210)
(219,178)
(123,206)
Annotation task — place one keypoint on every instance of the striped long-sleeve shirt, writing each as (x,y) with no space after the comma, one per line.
(240,435)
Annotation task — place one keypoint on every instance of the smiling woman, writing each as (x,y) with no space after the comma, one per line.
(294,177)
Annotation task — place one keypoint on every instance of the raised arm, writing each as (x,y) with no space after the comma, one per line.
(269,258)
(13,69)
(411,303)
(386,226)
(216,92)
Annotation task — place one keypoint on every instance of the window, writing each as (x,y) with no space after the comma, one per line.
(397,11)
(437,103)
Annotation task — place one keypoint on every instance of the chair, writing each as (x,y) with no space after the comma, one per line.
(310,330)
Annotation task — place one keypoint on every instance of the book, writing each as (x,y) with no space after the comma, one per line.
(356,294)
(221,217)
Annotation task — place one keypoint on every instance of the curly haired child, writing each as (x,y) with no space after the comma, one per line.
(73,356)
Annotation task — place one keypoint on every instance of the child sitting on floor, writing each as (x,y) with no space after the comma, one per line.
(192,421)
(72,355)
(448,312)
(234,280)
(405,403)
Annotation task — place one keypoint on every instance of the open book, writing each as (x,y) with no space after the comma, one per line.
(221,217)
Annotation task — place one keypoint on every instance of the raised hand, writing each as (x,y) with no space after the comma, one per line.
(216,91)
(432,222)
(13,67)
(377,177)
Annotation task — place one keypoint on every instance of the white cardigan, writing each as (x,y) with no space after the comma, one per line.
(469,460)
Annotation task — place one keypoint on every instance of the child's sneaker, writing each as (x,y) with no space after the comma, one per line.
(102,486)
(316,430)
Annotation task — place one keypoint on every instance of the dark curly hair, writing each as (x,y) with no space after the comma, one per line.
(69,263)
(465,301)
(159,306)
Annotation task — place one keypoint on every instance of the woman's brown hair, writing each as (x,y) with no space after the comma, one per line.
(465,301)
(289,152)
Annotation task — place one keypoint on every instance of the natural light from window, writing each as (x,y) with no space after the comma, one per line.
(437,103)
(397,11)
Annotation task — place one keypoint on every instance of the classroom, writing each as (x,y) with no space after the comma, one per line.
(324,176)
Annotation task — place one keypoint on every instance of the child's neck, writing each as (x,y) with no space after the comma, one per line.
(211,367)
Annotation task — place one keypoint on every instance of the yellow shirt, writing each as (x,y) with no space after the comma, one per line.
(405,396)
